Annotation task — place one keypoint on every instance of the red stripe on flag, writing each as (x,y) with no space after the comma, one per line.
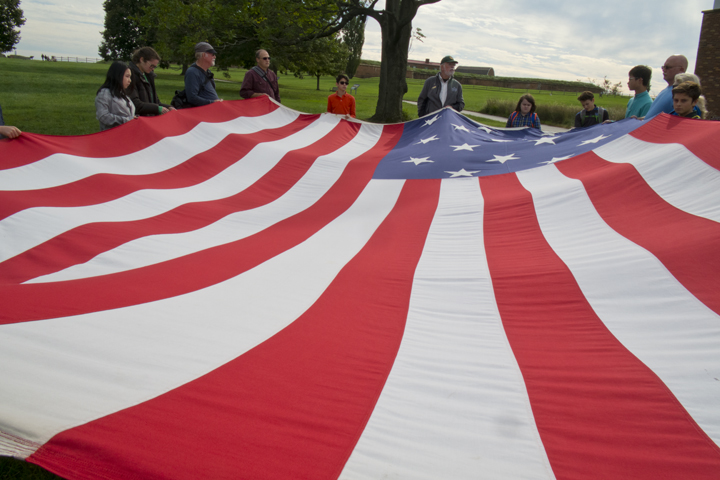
(293,407)
(85,242)
(591,398)
(106,187)
(130,137)
(28,302)
(693,134)
(686,244)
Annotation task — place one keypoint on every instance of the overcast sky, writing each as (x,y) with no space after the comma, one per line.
(556,39)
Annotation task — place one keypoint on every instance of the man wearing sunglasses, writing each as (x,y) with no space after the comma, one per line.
(260,80)
(341,102)
(664,102)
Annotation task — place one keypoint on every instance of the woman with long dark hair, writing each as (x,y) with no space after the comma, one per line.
(112,106)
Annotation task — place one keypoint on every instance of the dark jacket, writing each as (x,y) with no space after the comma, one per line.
(429,99)
(143,94)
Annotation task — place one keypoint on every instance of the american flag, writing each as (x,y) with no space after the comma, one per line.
(245,291)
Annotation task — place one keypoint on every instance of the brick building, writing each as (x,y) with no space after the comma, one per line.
(707,66)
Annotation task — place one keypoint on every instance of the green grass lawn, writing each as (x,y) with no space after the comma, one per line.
(58,98)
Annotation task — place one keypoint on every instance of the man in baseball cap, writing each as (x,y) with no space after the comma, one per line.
(441,90)
(199,83)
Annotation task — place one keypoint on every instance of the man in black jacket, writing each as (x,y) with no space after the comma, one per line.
(142,87)
(441,90)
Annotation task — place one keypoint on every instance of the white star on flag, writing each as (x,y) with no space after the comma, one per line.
(461,127)
(461,173)
(557,159)
(550,140)
(504,158)
(464,146)
(594,140)
(426,140)
(432,120)
(418,161)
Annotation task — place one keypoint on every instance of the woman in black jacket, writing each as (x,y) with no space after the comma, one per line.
(142,89)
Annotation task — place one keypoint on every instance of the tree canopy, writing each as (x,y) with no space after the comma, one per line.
(123,32)
(236,28)
(11,19)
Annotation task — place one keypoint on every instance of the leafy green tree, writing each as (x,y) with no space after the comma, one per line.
(180,24)
(322,56)
(11,19)
(236,28)
(123,33)
(353,36)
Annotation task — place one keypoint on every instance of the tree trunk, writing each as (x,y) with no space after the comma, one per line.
(318,82)
(396,28)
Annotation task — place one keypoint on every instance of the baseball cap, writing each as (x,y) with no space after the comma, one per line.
(448,59)
(203,47)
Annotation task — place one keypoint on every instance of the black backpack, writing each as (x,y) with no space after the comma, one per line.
(180,99)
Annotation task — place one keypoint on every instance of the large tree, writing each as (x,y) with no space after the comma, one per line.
(11,19)
(123,33)
(396,28)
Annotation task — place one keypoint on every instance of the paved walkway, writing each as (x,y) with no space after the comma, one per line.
(545,128)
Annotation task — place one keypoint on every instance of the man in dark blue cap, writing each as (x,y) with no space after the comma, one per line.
(441,90)
(199,83)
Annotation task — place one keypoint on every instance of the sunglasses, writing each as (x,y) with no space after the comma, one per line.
(342,83)
(668,67)
(265,58)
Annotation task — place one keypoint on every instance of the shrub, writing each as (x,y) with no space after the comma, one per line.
(550,113)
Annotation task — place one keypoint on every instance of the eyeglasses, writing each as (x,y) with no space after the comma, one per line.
(153,66)
(342,83)
(265,58)
(668,67)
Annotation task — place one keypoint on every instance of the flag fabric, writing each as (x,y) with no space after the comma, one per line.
(245,291)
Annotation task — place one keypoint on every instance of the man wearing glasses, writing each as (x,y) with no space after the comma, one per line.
(341,102)
(664,102)
(199,83)
(260,80)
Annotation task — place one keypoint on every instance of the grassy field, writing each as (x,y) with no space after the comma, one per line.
(57,98)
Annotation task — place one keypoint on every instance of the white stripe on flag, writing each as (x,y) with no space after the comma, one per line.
(455,388)
(69,371)
(158,248)
(675,173)
(61,169)
(52,221)
(640,302)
